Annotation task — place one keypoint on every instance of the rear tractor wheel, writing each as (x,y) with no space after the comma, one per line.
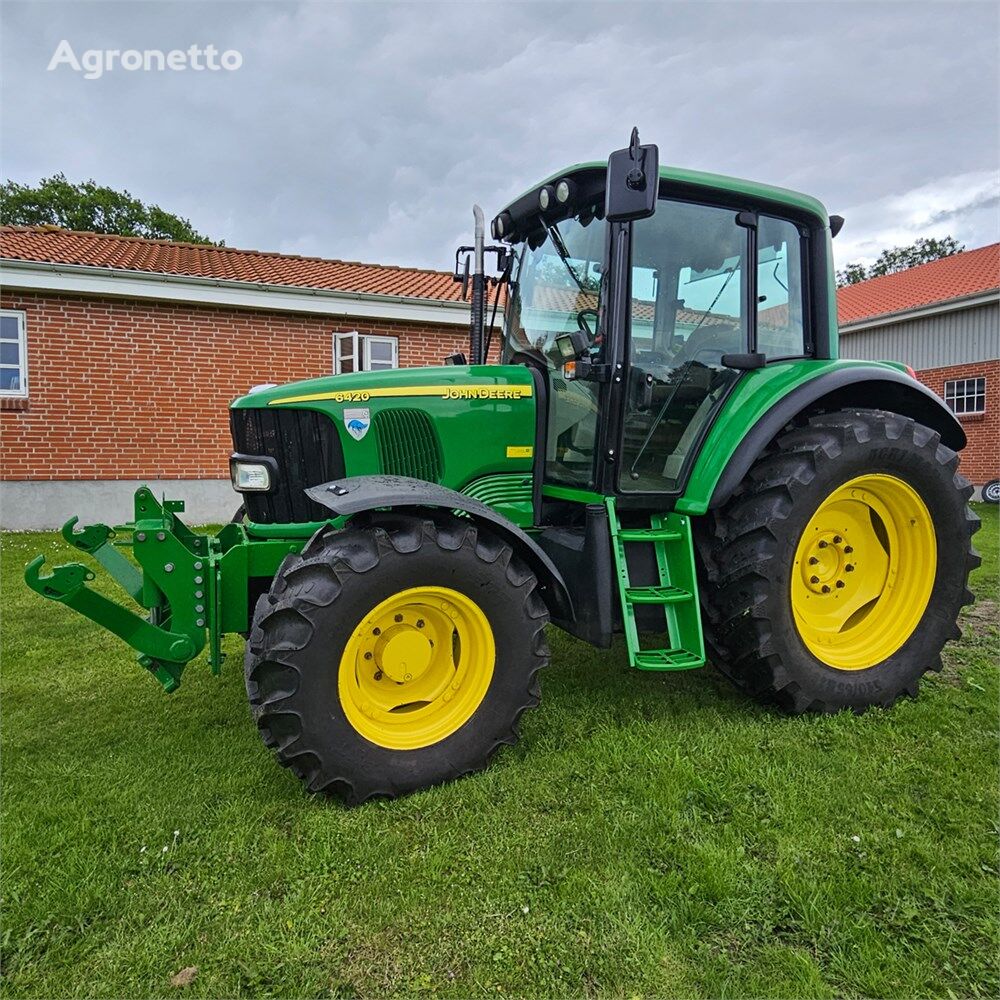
(389,658)
(838,570)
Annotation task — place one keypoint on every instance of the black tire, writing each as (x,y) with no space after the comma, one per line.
(317,598)
(991,491)
(748,552)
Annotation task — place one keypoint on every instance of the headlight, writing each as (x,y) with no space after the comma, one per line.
(250,477)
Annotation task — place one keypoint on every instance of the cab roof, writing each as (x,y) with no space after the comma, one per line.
(590,177)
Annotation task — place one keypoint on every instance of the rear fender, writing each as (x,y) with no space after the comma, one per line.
(857,386)
(347,497)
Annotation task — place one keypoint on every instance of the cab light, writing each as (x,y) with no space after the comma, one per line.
(545,197)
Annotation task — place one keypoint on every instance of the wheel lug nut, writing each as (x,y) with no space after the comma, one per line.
(813,560)
(826,589)
(848,549)
(849,568)
(378,675)
(398,618)
(368,656)
(376,631)
(823,544)
(840,584)
(420,623)
(837,539)
(814,579)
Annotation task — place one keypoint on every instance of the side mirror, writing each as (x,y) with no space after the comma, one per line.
(633,182)
(573,345)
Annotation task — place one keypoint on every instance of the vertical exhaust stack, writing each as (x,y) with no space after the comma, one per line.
(478,319)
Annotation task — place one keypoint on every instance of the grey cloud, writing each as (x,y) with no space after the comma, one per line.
(366,131)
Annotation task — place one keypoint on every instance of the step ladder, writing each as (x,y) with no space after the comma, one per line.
(676,593)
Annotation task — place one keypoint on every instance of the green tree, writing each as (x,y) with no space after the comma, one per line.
(90,208)
(900,259)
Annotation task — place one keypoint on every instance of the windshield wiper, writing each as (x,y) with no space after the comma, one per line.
(708,312)
(557,242)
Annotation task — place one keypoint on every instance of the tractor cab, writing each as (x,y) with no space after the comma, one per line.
(642,325)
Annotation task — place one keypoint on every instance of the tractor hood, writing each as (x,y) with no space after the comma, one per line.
(454,425)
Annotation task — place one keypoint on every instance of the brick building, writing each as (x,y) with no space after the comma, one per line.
(943,320)
(119,357)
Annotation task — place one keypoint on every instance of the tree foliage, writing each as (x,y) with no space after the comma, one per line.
(900,259)
(91,208)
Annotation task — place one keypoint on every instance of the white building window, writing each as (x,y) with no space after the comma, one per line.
(353,352)
(13,355)
(966,395)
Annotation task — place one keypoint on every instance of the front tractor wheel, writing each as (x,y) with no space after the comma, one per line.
(395,656)
(837,572)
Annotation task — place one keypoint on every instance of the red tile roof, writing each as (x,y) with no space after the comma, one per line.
(129,253)
(969,273)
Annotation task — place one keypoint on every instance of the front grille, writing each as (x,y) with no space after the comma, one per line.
(407,444)
(307,449)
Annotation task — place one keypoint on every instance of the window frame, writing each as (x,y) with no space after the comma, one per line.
(360,351)
(951,399)
(338,354)
(393,342)
(808,337)
(22,353)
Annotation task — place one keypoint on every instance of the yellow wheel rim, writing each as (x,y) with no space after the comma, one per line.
(864,571)
(416,668)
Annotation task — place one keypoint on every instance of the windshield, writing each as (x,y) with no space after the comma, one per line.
(555,289)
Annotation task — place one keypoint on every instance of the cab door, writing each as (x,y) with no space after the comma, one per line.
(693,301)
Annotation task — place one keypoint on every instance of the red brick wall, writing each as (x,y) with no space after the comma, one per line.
(128,389)
(981,457)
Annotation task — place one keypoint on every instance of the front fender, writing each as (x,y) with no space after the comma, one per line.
(346,497)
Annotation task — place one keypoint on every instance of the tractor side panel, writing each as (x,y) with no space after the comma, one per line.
(469,428)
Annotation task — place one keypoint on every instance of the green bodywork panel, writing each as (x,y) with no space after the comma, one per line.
(752,396)
(477,413)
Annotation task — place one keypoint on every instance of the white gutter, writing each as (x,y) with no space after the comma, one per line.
(936,308)
(78,279)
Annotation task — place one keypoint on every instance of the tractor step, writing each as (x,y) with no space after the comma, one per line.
(676,592)
(649,535)
(667,659)
(656,595)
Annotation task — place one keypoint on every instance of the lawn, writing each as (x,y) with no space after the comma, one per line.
(652,835)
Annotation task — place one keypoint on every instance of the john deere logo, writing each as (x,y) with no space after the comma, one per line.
(357,422)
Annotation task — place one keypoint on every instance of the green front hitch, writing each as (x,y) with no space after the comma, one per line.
(176,586)
(190,588)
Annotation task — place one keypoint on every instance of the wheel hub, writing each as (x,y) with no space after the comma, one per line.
(404,655)
(829,561)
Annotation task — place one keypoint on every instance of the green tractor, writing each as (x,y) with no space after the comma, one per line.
(669,448)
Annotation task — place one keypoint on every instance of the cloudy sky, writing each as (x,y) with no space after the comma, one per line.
(366,131)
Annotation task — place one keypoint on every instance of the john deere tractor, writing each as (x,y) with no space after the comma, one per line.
(668,448)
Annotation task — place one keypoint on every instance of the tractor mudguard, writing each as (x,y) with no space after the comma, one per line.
(858,386)
(347,497)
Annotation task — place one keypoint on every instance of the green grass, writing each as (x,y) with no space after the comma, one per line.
(652,835)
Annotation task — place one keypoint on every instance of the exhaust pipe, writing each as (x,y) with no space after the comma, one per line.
(478,319)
